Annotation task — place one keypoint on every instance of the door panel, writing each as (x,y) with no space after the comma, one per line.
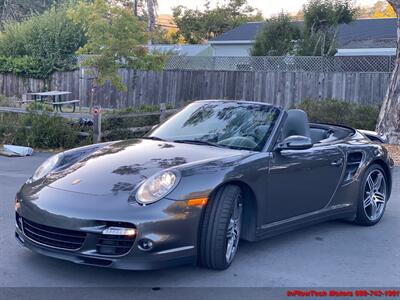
(302,181)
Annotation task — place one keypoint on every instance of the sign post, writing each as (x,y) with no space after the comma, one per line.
(163,108)
(96,112)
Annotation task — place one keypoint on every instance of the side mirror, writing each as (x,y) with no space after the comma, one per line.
(295,142)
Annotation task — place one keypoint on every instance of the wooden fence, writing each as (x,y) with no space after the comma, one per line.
(177,86)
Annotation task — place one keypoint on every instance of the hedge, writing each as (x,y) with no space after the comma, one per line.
(341,112)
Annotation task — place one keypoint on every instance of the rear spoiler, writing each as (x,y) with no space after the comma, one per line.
(374,136)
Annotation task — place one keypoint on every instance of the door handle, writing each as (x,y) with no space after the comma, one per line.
(337,163)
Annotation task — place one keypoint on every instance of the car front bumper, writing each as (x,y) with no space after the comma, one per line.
(46,224)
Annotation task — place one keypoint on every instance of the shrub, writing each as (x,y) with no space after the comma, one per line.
(143,108)
(40,45)
(40,131)
(41,106)
(340,112)
(117,126)
(28,66)
(9,101)
(24,66)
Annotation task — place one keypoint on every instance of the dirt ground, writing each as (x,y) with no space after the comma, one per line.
(394,151)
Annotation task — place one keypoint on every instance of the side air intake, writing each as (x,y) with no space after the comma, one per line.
(354,160)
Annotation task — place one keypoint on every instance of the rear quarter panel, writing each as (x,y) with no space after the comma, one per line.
(349,189)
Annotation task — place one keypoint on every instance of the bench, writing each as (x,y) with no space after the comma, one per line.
(58,105)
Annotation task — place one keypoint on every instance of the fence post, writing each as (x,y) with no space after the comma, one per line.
(96,124)
(163,108)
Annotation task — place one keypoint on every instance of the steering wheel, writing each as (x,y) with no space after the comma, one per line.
(252,135)
(239,142)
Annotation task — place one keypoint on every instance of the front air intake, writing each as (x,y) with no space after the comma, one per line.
(114,244)
(52,236)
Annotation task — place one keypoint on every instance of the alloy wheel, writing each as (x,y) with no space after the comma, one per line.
(375,195)
(233,231)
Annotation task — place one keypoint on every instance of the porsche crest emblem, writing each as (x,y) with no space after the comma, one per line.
(76,181)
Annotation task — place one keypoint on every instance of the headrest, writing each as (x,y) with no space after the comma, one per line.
(296,123)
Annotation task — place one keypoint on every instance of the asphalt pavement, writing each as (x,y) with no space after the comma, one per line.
(329,254)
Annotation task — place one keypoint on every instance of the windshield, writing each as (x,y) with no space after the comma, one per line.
(225,124)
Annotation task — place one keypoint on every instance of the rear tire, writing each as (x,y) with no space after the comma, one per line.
(373,196)
(220,229)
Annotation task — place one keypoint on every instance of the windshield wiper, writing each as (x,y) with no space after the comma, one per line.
(197,142)
(154,138)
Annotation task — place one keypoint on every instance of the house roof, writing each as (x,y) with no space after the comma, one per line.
(166,21)
(245,32)
(363,33)
(369,33)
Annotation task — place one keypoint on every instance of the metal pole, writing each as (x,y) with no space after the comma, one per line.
(96,124)
(163,108)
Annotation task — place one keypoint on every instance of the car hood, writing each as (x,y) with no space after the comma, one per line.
(121,166)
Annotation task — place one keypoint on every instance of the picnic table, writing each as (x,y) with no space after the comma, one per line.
(56,99)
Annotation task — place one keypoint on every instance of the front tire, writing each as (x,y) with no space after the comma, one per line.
(373,196)
(220,230)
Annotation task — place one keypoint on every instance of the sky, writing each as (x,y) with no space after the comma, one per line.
(268,7)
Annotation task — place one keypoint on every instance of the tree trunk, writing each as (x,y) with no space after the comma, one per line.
(151,17)
(333,42)
(389,116)
(316,46)
(135,8)
(323,43)
(151,14)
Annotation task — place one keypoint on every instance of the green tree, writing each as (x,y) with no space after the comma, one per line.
(321,21)
(146,9)
(152,6)
(115,38)
(50,40)
(381,9)
(279,36)
(389,116)
(197,26)
(11,10)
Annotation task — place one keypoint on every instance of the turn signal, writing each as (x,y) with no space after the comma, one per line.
(197,202)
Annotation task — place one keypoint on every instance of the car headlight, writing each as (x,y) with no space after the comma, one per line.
(46,167)
(157,187)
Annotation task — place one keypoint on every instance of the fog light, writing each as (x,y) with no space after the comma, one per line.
(146,245)
(120,231)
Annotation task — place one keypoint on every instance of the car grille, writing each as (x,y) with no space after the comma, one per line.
(53,237)
(18,221)
(114,244)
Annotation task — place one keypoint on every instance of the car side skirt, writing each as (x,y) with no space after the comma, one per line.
(344,211)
